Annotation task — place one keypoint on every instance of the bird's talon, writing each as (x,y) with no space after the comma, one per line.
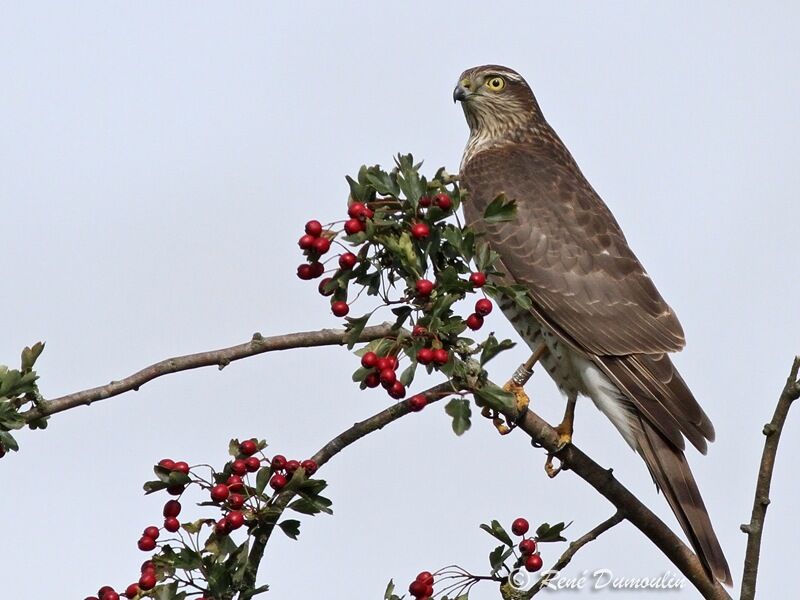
(523,401)
(549,468)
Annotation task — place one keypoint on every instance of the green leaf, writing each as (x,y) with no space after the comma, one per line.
(551,533)
(262,479)
(8,442)
(388,595)
(30,354)
(459,410)
(498,556)
(491,348)
(496,530)
(311,505)
(495,397)
(154,486)
(500,210)
(355,325)
(291,527)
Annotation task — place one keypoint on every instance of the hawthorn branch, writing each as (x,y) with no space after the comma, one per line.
(349,436)
(755,528)
(572,549)
(602,480)
(220,358)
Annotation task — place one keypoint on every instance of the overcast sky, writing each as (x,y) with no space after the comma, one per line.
(158,161)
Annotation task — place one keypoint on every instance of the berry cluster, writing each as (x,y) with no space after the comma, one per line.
(531,559)
(422,587)
(241,501)
(402,243)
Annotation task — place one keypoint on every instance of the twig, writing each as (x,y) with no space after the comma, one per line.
(220,358)
(326,453)
(572,549)
(754,529)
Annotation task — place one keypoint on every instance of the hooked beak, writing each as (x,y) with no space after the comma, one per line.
(460,93)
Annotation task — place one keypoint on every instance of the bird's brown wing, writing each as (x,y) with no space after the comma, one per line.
(567,248)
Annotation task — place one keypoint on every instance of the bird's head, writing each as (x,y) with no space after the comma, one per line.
(496,100)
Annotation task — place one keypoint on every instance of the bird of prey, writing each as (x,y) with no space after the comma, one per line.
(597,323)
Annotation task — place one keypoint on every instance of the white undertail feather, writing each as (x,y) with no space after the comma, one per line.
(607,397)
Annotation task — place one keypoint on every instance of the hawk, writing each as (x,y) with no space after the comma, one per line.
(597,324)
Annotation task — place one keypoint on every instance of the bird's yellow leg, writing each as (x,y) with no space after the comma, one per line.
(516,386)
(564,430)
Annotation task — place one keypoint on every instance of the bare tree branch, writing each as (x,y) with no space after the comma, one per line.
(573,548)
(323,455)
(220,358)
(629,505)
(755,528)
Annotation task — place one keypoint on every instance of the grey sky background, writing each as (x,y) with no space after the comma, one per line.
(158,161)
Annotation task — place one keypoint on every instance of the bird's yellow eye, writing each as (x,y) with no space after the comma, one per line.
(496,83)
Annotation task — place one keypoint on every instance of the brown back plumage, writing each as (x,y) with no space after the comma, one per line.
(585,282)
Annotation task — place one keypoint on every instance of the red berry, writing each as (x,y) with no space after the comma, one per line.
(425,577)
(424,287)
(419,331)
(382,363)
(372,380)
(314,228)
(397,390)
(388,377)
(425,201)
(147,581)
(146,544)
(235,484)
(222,527)
(527,546)
(317,269)
(235,519)
(353,226)
(105,590)
(418,402)
(278,462)
(324,289)
(533,563)
(309,466)
(347,261)
(305,272)
(474,321)
(424,356)
(147,565)
(483,307)
(172,508)
(443,201)
(420,231)
(151,531)
(132,590)
(339,308)
(248,447)
(172,524)
(220,492)
(292,466)
(175,490)
(238,467)
(369,360)
(167,463)
(252,464)
(520,526)
(321,245)
(477,279)
(358,211)
(278,482)
(306,242)
(110,595)
(181,467)
(417,589)
(441,356)
(236,501)
(428,592)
